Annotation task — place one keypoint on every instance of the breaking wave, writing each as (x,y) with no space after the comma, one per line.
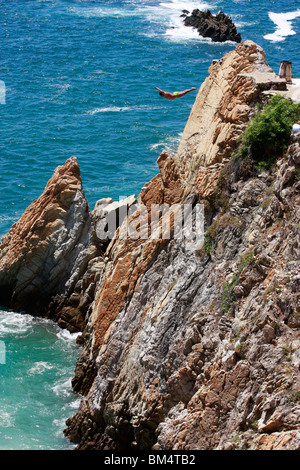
(283,24)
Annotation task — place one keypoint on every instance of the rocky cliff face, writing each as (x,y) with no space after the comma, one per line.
(185,345)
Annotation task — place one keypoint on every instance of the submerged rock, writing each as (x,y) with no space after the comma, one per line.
(219,28)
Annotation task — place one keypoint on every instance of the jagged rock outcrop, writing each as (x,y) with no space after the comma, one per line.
(219,28)
(198,348)
(47,250)
(188,345)
(52,258)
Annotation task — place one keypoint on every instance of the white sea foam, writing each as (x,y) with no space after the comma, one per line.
(283,25)
(170,144)
(166,14)
(16,323)
(102,12)
(61,424)
(40,367)
(7,419)
(118,109)
(20,323)
(169,15)
(241,20)
(75,403)
(109,109)
(63,388)
(66,335)
(179,32)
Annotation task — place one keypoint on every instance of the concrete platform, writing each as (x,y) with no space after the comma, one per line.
(292,92)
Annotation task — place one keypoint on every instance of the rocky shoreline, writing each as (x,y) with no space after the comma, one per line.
(184,347)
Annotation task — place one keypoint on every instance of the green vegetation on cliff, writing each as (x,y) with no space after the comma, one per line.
(269,132)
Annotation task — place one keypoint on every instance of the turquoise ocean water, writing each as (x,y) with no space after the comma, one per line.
(79,80)
(36,366)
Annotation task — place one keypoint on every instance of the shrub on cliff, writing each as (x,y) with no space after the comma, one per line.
(269,132)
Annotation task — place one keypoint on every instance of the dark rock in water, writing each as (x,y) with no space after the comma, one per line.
(219,28)
(184,13)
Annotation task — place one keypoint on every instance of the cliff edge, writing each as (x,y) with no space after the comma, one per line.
(187,342)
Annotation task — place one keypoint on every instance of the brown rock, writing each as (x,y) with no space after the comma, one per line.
(221,110)
(44,250)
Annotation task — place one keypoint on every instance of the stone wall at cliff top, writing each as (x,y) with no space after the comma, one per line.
(189,346)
